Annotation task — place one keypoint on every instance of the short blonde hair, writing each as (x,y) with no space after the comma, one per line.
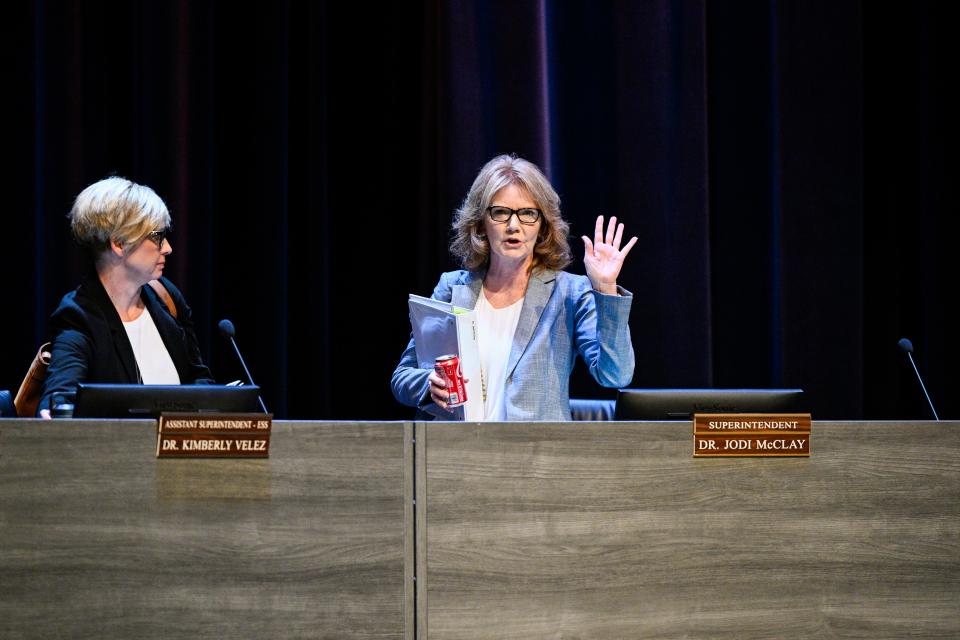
(469,244)
(116,210)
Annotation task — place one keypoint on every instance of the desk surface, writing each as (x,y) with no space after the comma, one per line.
(537,530)
(614,530)
(100,539)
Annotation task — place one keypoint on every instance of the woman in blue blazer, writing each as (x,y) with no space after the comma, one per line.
(533,317)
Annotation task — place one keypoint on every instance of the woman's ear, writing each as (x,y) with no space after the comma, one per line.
(116,248)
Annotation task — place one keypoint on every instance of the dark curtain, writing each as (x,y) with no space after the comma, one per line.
(786,166)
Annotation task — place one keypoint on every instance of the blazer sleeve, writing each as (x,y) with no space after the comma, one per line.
(602,336)
(409,383)
(198,372)
(71,353)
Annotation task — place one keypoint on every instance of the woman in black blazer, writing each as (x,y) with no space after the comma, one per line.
(115,328)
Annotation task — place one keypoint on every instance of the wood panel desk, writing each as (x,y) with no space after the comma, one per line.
(589,530)
(99,539)
(613,530)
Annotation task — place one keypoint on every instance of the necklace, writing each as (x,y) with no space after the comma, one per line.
(483,384)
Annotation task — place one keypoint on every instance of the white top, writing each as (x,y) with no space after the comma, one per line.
(154,361)
(495,329)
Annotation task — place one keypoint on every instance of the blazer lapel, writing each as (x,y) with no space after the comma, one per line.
(539,289)
(121,343)
(465,295)
(170,332)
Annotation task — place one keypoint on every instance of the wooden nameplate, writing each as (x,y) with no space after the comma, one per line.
(206,435)
(728,435)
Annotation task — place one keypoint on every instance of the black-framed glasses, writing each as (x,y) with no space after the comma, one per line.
(502,214)
(157,237)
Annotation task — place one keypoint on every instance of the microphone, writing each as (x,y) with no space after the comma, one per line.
(229,331)
(907,347)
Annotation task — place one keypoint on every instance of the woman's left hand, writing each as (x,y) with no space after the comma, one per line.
(603,258)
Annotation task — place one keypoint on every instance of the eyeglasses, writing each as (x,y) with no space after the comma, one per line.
(157,237)
(502,214)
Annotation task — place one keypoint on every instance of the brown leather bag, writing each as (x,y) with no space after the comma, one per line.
(165,296)
(28,397)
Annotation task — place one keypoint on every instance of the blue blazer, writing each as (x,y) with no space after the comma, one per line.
(562,316)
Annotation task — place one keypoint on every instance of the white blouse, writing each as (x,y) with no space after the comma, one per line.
(153,360)
(495,329)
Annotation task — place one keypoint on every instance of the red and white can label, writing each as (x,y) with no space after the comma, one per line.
(448,368)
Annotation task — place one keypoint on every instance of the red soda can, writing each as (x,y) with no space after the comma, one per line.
(448,368)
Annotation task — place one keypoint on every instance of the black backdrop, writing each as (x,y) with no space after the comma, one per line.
(786,166)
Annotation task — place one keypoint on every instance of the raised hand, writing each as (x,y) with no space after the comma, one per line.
(603,258)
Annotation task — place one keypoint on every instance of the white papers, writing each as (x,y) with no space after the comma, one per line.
(440,329)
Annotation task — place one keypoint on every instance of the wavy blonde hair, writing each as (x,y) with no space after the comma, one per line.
(469,244)
(116,210)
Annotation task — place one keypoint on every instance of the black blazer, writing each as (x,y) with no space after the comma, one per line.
(91,345)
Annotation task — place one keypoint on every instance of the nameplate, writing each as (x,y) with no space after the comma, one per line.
(730,435)
(205,435)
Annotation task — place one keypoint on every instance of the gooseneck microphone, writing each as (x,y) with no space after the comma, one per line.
(228,331)
(907,347)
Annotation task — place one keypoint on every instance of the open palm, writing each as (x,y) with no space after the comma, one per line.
(603,257)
